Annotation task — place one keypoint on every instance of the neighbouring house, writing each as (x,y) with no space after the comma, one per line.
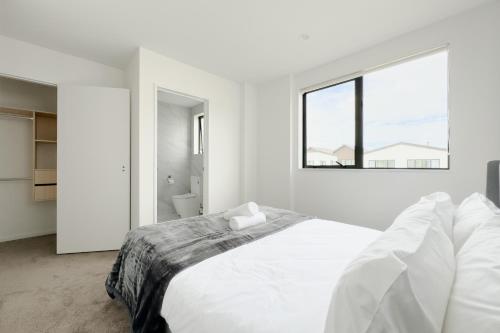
(322,156)
(399,155)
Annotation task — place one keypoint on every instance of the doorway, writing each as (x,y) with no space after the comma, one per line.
(180,156)
(28,146)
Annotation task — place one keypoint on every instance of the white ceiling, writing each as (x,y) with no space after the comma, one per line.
(176,99)
(240,39)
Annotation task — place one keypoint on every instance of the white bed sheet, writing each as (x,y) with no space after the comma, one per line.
(280,283)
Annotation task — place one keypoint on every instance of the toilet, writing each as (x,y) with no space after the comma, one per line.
(187,205)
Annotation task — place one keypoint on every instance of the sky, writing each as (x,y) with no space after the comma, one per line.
(402,103)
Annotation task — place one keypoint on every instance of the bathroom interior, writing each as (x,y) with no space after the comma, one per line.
(180,156)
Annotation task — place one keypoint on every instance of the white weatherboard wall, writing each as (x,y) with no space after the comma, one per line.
(374,197)
(402,153)
(28,61)
(223,130)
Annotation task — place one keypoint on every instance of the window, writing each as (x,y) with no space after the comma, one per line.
(346,162)
(198,133)
(330,124)
(423,164)
(382,164)
(391,117)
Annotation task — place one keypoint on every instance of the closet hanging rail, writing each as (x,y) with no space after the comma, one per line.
(14,179)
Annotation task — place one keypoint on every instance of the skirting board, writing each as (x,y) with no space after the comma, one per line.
(28,235)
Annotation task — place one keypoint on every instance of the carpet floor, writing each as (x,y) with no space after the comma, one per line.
(41,291)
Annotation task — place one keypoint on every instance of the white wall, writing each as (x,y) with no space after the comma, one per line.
(374,197)
(274,133)
(132,82)
(223,160)
(23,94)
(249,142)
(33,62)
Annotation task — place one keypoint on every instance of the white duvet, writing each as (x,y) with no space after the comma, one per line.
(280,283)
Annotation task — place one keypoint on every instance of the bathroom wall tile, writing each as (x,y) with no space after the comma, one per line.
(174,156)
(196,160)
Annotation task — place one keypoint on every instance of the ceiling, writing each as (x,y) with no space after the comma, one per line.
(245,40)
(176,99)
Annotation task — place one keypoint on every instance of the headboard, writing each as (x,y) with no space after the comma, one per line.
(493,182)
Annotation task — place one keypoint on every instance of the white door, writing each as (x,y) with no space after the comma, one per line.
(93,178)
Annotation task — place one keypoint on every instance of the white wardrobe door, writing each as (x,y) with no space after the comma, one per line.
(93,178)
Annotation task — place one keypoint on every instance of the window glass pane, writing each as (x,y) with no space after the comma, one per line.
(405,113)
(201,133)
(330,118)
(198,133)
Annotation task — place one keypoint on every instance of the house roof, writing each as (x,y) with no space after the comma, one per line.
(343,147)
(332,152)
(320,150)
(406,144)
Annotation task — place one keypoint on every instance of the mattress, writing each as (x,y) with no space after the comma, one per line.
(280,283)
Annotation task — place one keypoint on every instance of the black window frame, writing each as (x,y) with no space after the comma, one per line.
(358,126)
(201,119)
(359,147)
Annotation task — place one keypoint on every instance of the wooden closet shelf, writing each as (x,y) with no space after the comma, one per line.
(10,112)
(26,112)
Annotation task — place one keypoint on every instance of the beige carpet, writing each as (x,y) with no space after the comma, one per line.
(44,292)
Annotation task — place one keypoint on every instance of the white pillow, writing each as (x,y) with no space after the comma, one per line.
(445,210)
(475,298)
(472,212)
(399,283)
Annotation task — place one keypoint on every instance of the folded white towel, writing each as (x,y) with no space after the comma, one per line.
(241,222)
(247,209)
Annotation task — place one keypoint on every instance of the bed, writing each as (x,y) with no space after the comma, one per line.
(280,283)
(196,274)
(298,273)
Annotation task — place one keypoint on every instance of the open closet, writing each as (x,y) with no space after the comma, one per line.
(44,160)
(28,153)
(52,148)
